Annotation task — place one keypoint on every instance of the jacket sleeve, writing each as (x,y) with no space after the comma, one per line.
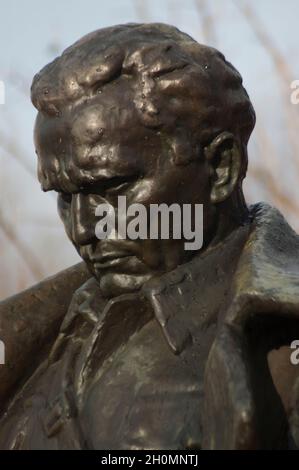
(29,323)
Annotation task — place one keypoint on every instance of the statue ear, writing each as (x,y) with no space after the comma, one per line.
(224,156)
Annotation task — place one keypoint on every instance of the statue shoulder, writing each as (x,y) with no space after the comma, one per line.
(30,321)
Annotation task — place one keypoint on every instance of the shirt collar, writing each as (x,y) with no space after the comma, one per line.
(186,298)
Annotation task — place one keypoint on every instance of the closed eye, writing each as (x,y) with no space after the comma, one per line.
(111,186)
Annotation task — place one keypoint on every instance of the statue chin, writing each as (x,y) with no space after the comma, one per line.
(112,284)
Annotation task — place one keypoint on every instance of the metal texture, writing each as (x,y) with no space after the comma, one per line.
(159,347)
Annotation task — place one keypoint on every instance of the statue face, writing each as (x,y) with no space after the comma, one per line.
(95,152)
(105,142)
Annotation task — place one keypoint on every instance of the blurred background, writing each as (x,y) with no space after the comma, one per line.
(259,38)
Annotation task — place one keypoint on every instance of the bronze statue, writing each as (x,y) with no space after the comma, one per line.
(162,348)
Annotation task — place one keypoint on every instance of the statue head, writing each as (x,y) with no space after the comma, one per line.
(143,111)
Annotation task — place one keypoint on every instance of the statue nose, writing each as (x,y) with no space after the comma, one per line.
(83,219)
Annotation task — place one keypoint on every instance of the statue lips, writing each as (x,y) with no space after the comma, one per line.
(116,259)
(109,254)
(111,260)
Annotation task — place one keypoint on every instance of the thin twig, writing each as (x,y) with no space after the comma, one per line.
(207,21)
(284,74)
(26,254)
(141,9)
(268,173)
(10,146)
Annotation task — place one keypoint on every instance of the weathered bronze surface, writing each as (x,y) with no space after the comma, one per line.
(161,348)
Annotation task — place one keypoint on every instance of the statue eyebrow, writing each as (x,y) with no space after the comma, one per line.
(58,189)
(107,183)
(59,185)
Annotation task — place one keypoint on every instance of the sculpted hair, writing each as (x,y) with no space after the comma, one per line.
(186,90)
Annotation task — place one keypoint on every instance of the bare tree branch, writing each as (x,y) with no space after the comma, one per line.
(26,254)
(284,73)
(11,147)
(207,21)
(141,9)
